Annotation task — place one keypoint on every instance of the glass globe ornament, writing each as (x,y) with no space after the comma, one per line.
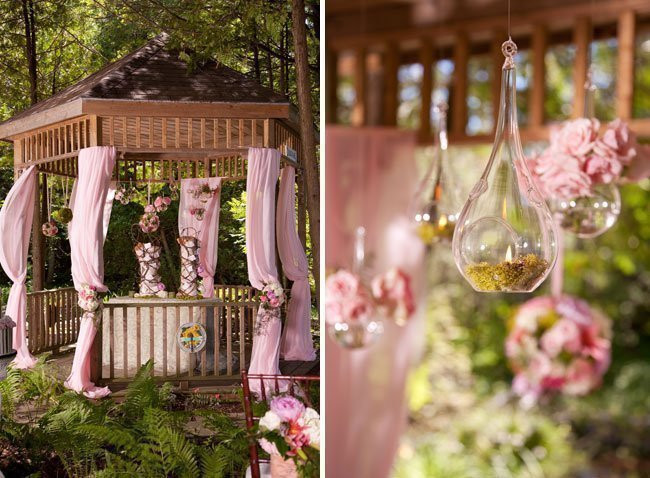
(505,238)
(352,320)
(436,203)
(589,216)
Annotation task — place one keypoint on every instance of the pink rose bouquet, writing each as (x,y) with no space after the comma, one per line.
(291,430)
(161,203)
(578,158)
(88,298)
(149,221)
(346,299)
(272,295)
(557,345)
(49,229)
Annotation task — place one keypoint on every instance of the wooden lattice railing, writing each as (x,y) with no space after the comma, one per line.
(52,319)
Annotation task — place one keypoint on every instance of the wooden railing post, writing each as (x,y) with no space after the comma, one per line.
(625,82)
(391,66)
(582,42)
(458,107)
(96,350)
(538,88)
(426,87)
(358,117)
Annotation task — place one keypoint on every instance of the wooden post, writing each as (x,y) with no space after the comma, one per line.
(458,107)
(426,58)
(538,87)
(391,65)
(582,41)
(498,37)
(331,85)
(37,240)
(625,82)
(360,79)
(96,350)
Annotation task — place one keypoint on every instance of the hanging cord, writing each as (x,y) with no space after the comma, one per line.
(66,197)
(48,189)
(509,37)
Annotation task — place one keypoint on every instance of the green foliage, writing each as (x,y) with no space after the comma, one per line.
(142,435)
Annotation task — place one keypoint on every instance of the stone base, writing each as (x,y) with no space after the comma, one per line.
(5,360)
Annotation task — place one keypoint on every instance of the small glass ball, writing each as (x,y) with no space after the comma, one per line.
(355,334)
(589,216)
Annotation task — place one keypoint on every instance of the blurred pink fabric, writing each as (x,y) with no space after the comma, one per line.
(86,234)
(207,230)
(262,178)
(296,337)
(370,177)
(15,227)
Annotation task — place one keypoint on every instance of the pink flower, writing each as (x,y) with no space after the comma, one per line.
(576,138)
(559,175)
(161,286)
(392,291)
(581,378)
(288,408)
(149,208)
(563,336)
(263,298)
(603,166)
(274,302)
(167,201)
(620,140)
(357,308)
(340,285)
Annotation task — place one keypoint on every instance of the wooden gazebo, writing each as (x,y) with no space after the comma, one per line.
(167,123)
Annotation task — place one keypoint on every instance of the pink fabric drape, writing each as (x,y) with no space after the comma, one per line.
(86,233)
(15,227)
(370,176)
(206,230)
(296,337)
(557,275)
(262,177)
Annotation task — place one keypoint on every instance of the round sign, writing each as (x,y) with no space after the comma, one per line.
(191,337)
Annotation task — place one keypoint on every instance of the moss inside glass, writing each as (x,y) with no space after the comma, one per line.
(430,232)
(519,274)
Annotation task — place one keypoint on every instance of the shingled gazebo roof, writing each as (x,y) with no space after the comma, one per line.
(153,74)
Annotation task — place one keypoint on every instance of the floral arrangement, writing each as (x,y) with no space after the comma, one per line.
(557,345)
(49,228)
(63,215)
(88,298)
(272,295)
(198,213)
(149,221)
(204,192)
(291,430)
(161,203)
(123,195)
(347,299)
(579,158)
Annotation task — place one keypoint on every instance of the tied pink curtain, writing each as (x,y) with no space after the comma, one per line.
(86,233)
(296,336)
(263,172)
(370,176)
(15,226)
(206,230)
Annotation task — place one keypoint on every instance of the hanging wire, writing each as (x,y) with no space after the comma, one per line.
(509,37)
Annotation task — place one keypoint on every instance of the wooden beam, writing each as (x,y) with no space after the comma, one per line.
(21,124)
(358,117)
(538,87)
(106,107)
(331,85)
(391,65)
(582,42)
(426,87)
(499,35)
(458,106)
(625,71)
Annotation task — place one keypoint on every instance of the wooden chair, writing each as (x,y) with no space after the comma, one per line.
(297,385)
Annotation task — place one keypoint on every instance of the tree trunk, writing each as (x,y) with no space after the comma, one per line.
(269,66)
(282,86)
(307,136)
(30,48)
(256,56)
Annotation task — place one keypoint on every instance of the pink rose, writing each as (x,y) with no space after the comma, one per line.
(161,286)
(559,175)
(288,408)
(263,298)
(149,208)
(576,137)
(274,302)
(563,336)
(392,291)
(620,140)
(340,285)
(581,378)
(603,169)
(357,308)
(167,201)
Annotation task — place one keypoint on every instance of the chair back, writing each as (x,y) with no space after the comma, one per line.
(298,385)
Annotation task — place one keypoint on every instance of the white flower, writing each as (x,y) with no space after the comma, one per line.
(311,421)
(270,421)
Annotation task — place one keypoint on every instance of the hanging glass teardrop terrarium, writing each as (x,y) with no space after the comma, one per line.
(591,215)
(505,239)
(436,203)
